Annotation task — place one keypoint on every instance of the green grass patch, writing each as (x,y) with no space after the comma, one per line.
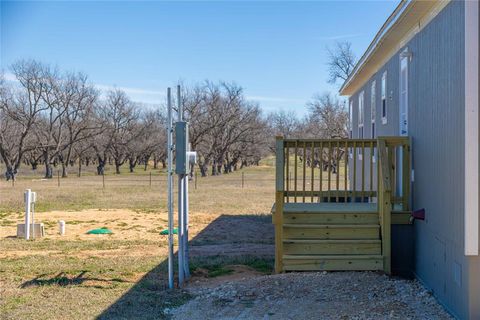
(219,265)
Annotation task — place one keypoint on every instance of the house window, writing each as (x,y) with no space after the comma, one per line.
(373,106)
(361,116)
(350,126)
(361,108)
(384,98)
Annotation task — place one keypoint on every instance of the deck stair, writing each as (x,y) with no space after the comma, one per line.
(331,236)
(348,231)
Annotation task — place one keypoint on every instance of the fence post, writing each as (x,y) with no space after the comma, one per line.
(58,178)
(103,180)
(150,179)
(243,179)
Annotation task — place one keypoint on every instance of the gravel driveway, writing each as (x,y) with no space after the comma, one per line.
(332,295)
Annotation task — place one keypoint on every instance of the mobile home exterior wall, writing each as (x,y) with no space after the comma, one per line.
(436,101)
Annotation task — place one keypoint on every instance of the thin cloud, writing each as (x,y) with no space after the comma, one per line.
(9,77)
(273,99)
(342,36)
(130,90)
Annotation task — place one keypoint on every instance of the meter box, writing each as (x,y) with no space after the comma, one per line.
(181,148)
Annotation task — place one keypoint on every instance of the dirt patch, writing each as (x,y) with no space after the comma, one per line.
(334,295)
(210,234)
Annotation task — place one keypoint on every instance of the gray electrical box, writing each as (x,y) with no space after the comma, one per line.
(181,147)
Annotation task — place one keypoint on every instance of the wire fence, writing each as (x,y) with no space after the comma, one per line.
(238,179)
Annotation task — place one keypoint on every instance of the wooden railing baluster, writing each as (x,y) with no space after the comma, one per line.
(354,171)
(321,173)
(346,172)
(287,176)
(312,181)
(295,171)
(337,169)
(363,171)
(304,170)
(371,165)
(329,169)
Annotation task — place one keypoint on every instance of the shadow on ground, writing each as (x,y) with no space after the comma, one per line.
(64,280)
(229,239)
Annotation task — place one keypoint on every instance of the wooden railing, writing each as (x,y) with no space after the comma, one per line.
(340,170)
(334,170)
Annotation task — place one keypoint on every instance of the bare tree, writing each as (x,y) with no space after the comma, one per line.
(19,112)
(341,61)
(284,123)
(119,117)
(327,119)
(79,120)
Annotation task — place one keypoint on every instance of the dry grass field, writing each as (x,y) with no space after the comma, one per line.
(122,275)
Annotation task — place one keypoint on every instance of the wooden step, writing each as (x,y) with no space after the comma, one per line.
(331,247)
(331,207)
(332,262)
(331,231)
(330,218)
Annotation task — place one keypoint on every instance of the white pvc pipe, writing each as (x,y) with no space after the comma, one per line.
(181,232)
(185,213)
(28,202)
(33,198)
(61,227)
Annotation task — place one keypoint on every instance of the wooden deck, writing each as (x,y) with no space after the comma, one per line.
(318,225)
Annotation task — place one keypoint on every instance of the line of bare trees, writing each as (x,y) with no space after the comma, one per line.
(59,118)
(56,118)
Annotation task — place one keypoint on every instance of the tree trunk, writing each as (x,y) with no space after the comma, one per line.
(64,171)
(145,165)
(131,164)
(48,165)
(203,170)
(101,167)
(10,173)
(117,167)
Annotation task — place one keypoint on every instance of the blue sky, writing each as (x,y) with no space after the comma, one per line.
(275,50)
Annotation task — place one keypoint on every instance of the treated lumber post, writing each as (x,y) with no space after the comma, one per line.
(279,199)
(384,204)
(406,175)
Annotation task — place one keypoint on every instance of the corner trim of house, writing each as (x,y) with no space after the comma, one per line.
(471,128)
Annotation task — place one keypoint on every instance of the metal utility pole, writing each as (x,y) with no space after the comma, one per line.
(170,187)
(181,217)
(184,158)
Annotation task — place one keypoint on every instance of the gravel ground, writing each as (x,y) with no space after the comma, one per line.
(332,295)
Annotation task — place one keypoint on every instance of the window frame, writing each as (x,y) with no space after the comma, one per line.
(373,107)
(383,95)
(361,119)
(350,125)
